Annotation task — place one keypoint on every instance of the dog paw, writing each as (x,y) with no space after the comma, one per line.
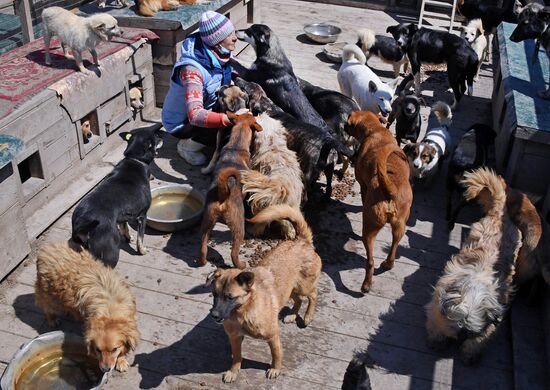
(122,364)
(289,318)
(387,265)
(142,249)
(365,288)
(230,376)
(308,319)
(201,262)
(273,373)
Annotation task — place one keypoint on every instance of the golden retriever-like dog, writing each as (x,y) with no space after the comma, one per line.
(151,7)
(473,294)
(71,280)
(383,172)
(276,177)
(248,302)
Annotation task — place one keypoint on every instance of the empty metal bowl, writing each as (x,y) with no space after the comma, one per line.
(333,51)
(174,207)
(322,32)
(54,360)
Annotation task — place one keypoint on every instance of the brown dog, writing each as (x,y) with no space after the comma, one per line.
(248,302)
(224,198)
(383,172)
(151,7)
(86,131)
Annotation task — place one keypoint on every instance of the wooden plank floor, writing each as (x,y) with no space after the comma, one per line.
(182,348)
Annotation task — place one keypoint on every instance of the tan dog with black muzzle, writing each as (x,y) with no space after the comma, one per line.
(248,301)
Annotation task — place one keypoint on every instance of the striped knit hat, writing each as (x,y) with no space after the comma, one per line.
(214,28)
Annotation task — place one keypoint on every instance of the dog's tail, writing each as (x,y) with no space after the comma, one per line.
(485,180)
(329,146)
(263,190)
(228,179)
(386,184)
(443,113)
(367,39)
(283,211)
(351,51)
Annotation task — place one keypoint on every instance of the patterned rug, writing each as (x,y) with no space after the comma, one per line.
(23,71)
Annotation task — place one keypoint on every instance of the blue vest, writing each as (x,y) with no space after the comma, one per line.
(214,75)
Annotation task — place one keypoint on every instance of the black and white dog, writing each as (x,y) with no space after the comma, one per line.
(273,71)
(436,47)
(385,48)
(533,24)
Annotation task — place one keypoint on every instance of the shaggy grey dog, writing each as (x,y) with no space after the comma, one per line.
(472,296)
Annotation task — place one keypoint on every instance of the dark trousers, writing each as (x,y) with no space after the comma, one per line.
(201,135)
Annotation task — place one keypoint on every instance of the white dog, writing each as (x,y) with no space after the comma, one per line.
(359,82)
(475,35)
(77,33)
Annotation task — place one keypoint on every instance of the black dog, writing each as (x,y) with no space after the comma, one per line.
(491,16)
(470,153)
(317,149)
(437,47)
(357,376)
(273,71)
(406,112)
(534,25)
(123,196)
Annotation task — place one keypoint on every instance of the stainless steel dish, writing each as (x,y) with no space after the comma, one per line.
(174,207)
(322,32)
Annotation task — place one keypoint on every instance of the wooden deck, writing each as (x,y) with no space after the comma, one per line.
(182,348)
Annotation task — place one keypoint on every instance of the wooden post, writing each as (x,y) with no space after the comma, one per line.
(24,13)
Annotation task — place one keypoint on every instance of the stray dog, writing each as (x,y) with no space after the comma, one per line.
(118,3)
(436,47)
(406,112)
(357,376)
(273,71)
(426,157)
(472,296)
(136,99)
(471,152)
(475,35)
(534,25)
(248,302)
(86,131)
(73,281)
(123,196)
(359,82)
(225,198)
(384,48)
(77,33)
(316,148)
(275,177)
(230,98)
(151,7)
(383,173)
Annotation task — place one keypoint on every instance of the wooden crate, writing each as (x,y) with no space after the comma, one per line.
(520,118)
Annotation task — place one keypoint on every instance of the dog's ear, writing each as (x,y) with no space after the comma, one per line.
(212,276)
(264,37)
(98,25)
(256,126)
(245,279)
(391,29)
(232,117)
(131,335)
(125,135)
(409,149)
(413,28)
(518,7)
(372,87)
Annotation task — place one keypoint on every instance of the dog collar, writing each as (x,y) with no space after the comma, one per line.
(141,162)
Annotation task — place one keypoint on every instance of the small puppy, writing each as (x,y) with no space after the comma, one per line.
(425,157)
(359,82)
(248,302)
(471,152)
(472,296)
(384,48)
(77,33)
(406,112)
(70,280)
(117,3)
(123,196)
(151,7)
(225,198)
(383,174)
(275,177)
(86,129)
(136,99)
(426,46)
(357,375)
(475,35)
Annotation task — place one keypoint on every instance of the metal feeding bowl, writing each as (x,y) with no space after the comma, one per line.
(54,360)
(174,207)
(333,51)
(322,32)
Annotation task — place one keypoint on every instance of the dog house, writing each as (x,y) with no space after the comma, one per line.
(174,26)
(53,167)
